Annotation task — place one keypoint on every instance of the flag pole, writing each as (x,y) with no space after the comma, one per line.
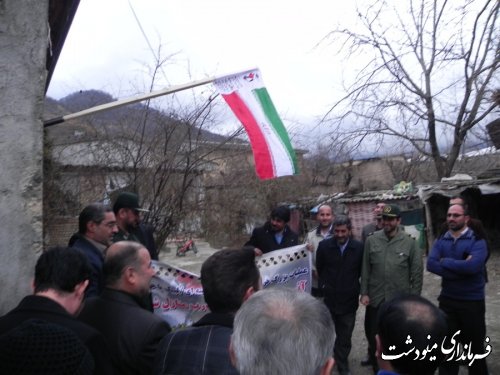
(122,102)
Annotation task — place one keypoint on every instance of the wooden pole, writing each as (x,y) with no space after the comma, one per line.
(122,102)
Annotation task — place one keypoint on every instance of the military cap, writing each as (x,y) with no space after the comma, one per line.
(391,210)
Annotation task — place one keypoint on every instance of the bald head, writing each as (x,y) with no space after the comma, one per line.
(325,215)
(457,219)
(127,267)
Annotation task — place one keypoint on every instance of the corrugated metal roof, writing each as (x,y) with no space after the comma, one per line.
(455,187)
(367,196)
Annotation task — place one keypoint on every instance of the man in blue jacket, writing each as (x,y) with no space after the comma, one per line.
(338,262)
(96,227)
(459,258)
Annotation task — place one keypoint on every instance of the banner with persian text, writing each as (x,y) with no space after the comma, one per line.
(178,294)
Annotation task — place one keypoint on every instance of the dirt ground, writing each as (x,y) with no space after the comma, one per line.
(432,285)
(430,290)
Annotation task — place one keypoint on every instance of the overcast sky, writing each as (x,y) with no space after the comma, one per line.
(106,49)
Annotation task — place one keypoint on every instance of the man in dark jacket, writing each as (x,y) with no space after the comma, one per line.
(229,277)
(133,332)
(275,234)
(338,261)
(130,226)
(96,227)
(61,276)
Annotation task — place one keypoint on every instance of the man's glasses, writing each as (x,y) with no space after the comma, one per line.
(454,215)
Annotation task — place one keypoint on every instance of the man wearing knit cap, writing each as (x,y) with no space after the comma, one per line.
(274,234)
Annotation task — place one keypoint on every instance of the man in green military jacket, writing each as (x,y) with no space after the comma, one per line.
(392,264)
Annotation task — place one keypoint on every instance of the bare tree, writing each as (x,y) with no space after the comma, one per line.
(236,200)
(159,153)
(164,158)
(429,80)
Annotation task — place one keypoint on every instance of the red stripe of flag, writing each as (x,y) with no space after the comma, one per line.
(261,152)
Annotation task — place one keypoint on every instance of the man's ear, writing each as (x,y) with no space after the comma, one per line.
(91,226)
(129,275)
(248,293)
(81,287)
(122,212)
(327,367)
(33,285)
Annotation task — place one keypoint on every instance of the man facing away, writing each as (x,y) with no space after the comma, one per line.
(61,277)
(408,323)
(392,264)
(96,227)
(229,277)
(274,234)
(339,268)
(323,231)
(459,258)
(119,313)
(282,331)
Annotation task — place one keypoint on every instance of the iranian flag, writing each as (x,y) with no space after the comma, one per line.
(248,98)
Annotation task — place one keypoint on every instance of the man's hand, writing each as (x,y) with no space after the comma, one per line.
(364,300)
(309,247)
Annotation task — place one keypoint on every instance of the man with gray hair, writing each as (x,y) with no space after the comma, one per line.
(283,331)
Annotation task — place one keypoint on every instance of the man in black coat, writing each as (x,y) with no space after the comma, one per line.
(61,277)
(128,213)
(338,261)
(96,227)
(120,312)
(274,234)
(229,277)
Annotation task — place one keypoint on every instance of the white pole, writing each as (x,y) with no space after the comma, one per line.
(122,102)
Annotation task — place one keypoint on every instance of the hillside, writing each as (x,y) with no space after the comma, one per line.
(128,121)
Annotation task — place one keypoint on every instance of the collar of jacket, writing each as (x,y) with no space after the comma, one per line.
(268,228)
(42,303)
(216,319)
(318,230)
(123,297)
(468,234)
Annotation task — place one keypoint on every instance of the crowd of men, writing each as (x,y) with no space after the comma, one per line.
(91,311)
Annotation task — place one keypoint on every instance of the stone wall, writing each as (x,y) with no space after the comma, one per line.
(23,47)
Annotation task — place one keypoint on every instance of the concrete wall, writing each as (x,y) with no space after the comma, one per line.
(23,43)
